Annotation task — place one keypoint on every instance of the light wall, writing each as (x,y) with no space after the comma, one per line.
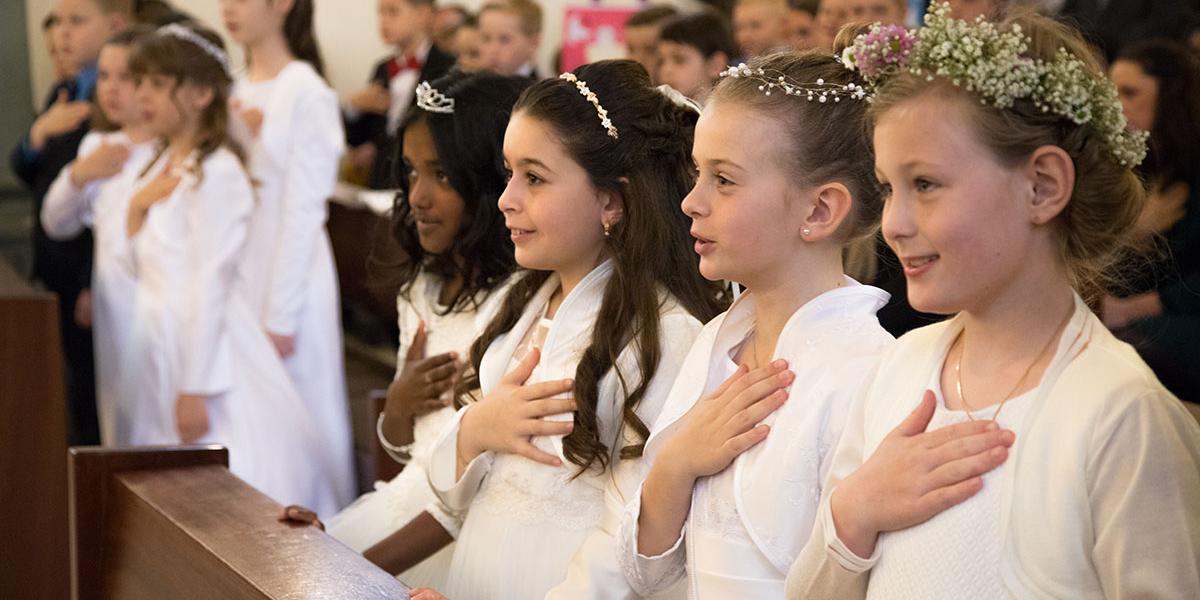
(346,31)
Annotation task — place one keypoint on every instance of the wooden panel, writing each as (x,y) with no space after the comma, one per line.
(33,444)
(193,532)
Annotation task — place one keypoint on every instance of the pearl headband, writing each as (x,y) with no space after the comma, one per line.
(186,34)
(591,97)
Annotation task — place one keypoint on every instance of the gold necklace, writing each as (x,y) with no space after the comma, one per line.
(963,350)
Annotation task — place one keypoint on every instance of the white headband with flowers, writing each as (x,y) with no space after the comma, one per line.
(587,93)
(982,59)
(186,34)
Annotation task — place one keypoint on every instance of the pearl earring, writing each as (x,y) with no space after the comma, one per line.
(607,229)
(805,232)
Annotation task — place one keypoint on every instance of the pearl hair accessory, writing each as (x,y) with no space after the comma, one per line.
(591,97)
(178,31)
(432,100)
(820,91)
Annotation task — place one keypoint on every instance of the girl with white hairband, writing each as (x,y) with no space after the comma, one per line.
(199,369)
(287,118)
(745,439)
(577,362)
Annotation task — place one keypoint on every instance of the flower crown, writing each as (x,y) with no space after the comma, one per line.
(432,100)
(587,93)
(820,91)
(989,62)
(186,34)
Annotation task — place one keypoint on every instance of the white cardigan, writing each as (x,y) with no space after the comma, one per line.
(833,343)
(1104,497)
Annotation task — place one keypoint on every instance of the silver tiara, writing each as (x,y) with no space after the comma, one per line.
(432,100)
(591,97)
(178,31)
(819,91)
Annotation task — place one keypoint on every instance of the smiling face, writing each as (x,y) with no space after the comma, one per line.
(746,210)
(555,214)
(956,217)
(437,209)
(115,87)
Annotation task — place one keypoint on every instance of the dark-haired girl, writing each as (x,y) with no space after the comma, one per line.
(459,256)
(286,117)
(597,326)
(200,369)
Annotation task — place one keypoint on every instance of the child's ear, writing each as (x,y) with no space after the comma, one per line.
(830,205)
(715,64)
(612,204)
(199,97)
(1051,175)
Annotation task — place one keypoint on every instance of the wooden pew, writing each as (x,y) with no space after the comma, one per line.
(33,443)
(173,522)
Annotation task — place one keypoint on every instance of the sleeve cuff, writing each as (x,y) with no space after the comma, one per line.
(443,462)
(449,520)
(838,550)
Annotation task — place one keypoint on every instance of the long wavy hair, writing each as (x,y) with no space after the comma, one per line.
(650,166)
(469,146)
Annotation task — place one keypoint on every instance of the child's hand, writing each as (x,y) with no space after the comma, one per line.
(157,190)
(83,309)
(295,513)
(914,475)
(63,116)
(363,156)
(506,419)
(371,99)
(725,423)
(422,381)
(191,417)
(425,594)
(285,345)
(102,163)
(253,118)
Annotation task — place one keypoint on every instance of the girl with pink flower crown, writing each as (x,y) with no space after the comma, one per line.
(1017,450)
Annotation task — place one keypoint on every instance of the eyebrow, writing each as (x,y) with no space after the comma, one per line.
(533,162)
(717,162)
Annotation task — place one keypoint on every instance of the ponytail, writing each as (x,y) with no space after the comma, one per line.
(301,39)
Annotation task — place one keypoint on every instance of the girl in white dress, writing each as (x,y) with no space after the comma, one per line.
(1017,450)
(785,184)
(459,256)
(600,161)
(287,118)
(94,191)
(200,369)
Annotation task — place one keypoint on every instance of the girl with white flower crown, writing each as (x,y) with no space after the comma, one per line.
(746,437)
(287,118)
(599,161)
(1017,450)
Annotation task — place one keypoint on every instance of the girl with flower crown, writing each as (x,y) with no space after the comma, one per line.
(746,437)
(287,118)
(599,162)
(199,369)
(1017,449)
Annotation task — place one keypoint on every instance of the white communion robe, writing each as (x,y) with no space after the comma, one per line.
(532,530)
(288,263)
(747,523)
(194,334)
(1099,495)
(103,205)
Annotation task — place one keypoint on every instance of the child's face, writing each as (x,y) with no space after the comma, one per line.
(81,30)
(641,44)
(437,209)
(746,210)
(758,27)
(802,33)
(956,218)
(502,44)
(685,69)
(467,50)
(401,23)
(168,108)
(555,215)
(251,21)
(1138,92)
(115,87)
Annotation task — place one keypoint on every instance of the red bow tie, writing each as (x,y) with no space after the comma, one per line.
(397,65)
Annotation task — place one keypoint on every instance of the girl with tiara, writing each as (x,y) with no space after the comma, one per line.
(1017,449)
(593,328)
(287,118)
(785,184)
(94,191)
(459,258)
(200,369)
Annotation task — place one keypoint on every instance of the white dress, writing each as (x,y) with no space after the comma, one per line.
(288,263)
(103,205)
(747,523)
(194,334)
(537,531)
(376,515)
